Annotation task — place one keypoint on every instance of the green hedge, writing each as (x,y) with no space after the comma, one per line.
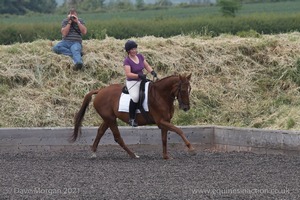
(28,32)
(126,28)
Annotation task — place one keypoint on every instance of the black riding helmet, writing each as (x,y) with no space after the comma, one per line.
(130,44)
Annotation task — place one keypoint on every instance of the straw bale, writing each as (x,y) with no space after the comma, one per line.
(247,82)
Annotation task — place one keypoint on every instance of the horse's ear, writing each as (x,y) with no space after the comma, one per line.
(189,76)
(180,77)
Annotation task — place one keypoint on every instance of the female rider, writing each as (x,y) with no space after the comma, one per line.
(134,64)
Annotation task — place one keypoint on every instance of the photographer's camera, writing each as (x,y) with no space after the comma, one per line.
(72,17)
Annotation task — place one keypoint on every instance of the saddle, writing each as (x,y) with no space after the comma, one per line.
(141,99)
(125,90)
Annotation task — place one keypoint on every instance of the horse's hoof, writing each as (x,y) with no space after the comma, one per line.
(192,152)
(134,156)
(93,156)
(167,158)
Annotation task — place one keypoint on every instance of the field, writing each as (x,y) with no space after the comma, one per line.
(266,18)
(289,7)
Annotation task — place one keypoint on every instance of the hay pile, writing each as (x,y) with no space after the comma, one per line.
(245,82)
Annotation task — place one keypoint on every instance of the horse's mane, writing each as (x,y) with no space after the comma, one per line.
(167,77)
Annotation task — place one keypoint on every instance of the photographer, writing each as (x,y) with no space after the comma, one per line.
(71,44)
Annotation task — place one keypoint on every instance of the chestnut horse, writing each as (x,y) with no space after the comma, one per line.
(161,96)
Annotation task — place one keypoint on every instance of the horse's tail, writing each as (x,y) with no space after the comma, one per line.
(79,116)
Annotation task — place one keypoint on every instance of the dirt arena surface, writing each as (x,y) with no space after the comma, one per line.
(114,175)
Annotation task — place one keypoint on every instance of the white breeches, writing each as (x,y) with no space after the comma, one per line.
(133,89)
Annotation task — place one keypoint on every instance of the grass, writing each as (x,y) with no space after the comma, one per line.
(288,7)
(193,21)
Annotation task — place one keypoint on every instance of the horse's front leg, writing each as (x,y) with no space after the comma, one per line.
(168,126)
(164,134)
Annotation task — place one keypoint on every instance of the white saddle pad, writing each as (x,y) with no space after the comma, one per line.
(125,99)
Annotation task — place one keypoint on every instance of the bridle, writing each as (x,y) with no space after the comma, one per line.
(178,92)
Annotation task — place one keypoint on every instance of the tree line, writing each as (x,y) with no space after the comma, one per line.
(21,7)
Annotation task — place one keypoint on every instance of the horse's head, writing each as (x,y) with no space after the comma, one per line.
(183,92)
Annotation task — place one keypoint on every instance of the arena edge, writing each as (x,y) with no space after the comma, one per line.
(217,138)
(256,140)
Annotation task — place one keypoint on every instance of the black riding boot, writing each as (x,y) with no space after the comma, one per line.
(132,110)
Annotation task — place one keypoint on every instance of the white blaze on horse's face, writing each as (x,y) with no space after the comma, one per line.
(184,93)
(183,97)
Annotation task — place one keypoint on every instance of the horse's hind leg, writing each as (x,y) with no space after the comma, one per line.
(120,141)
(101,130)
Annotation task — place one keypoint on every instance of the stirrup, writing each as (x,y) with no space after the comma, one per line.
(132,123)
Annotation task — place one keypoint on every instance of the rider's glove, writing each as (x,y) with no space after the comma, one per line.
(143,77)
(154,74)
